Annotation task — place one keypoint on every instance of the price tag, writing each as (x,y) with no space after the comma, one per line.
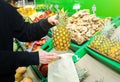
(76,7)
(94,8)
(51,7)
(56,6)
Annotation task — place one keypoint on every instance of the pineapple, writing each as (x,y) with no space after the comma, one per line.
(104,44)
(61,35)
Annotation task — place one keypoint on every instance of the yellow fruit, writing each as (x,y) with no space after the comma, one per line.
(27,79)
(18,77)
(61,35)
(21,70)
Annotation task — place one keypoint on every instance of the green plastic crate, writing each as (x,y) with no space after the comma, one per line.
(49,33)
(107,61)
(116,21)
(49,46)
(79,52)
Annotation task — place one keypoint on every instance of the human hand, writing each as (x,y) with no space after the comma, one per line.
(47,57)
(53,19)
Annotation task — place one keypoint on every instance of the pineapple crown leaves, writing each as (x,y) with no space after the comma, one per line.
(108,29)
(62,17)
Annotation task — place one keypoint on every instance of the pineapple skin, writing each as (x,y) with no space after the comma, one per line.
(61,39)
(61,35)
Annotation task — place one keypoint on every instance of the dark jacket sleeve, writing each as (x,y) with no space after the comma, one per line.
(19,58)
(26,31)
(10,61)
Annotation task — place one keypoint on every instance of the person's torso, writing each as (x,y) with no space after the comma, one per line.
(6,39)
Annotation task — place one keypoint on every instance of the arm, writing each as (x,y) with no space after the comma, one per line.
(15,59)
(26,31)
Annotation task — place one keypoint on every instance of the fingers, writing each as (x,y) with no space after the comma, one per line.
(53,20)
(54,56)
(46,57)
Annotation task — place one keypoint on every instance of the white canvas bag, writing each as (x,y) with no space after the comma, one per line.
(62,70)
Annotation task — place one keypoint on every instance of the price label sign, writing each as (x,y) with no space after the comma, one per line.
(94,8)
(56,6)
(51,7)
(76,7)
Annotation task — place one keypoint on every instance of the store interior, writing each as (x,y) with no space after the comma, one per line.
(89,34)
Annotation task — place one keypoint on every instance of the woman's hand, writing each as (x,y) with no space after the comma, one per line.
(46,57)
(53,19)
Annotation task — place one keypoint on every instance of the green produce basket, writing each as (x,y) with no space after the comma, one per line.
(105,60)
(79,52)
(49,33)
(117,24)
(116,21)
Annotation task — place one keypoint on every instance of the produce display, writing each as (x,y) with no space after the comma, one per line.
(105,45)
(34,46)
(41,15)
(61,35)
(43,69)
(27,79)
(77,28)
(19,73)
(82,25)
(27,10)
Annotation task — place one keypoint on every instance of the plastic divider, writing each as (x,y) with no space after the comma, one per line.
(48,45)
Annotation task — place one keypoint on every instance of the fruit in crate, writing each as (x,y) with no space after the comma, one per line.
(27,79)
(36,45)
(44,69)
(83,25)
(106,46)
(114,52)
(96,42)
(103,43)
(37,16)
(28,44)
(19,73)
(41,15)
(26,10)
(61,36)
